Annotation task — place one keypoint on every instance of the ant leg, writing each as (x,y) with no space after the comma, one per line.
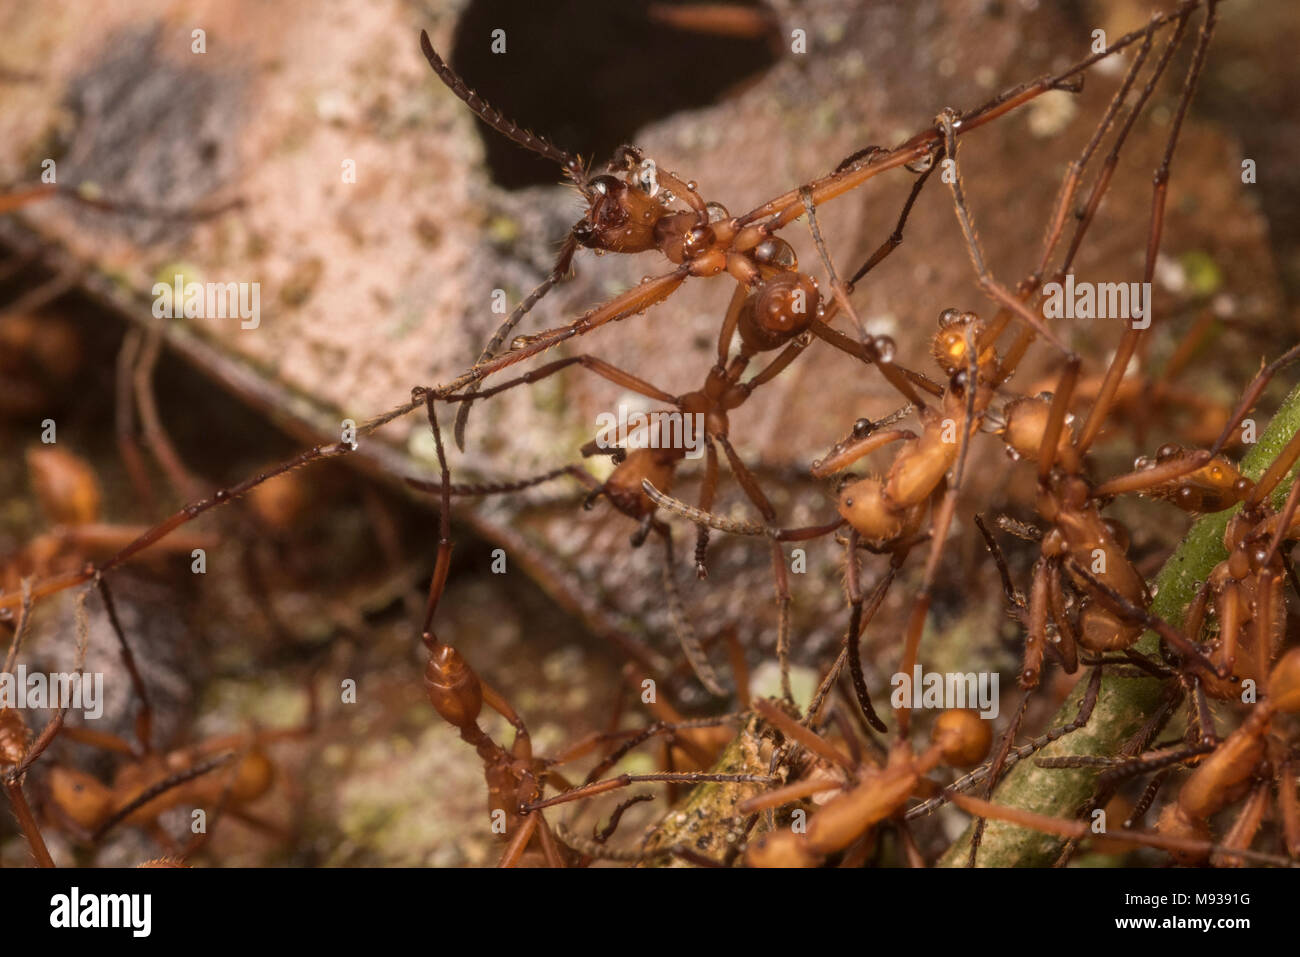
(128,358)
(879,349)
(476,489)
(994,289)
(1275,473)
(155,435)
(1112,159)
(1009,590)
(854,637)
(599,366)
(1080,830)
(442,565)
(637,299)
(996,767)
(1067,640)
(686,635)
(1074,173)
(1036,635)
(798,733)
(1245,827)
(185,515)
(755,494)
(562,268)
(27,822)
(1252,394)
(707,490)
(729,323)
(143,718)
(623,780)
(820,328)
(1286,800)
(159,788)
(1119,366)
(784,208)
(896,237)
(515,849)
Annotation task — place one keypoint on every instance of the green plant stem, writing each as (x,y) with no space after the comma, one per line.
(1124,703)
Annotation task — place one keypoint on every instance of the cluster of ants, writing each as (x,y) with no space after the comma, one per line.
(811,786)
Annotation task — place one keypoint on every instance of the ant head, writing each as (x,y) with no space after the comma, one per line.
(949,346)
(253,777)
(620,218)
(1025,423)
(864,505)
(82,799)
(963,737)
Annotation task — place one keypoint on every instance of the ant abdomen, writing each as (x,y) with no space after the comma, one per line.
(779,309)
(453,687)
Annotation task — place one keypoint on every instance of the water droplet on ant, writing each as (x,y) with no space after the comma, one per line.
(948,317)
(692,186)
(885,349)
(1142,462)
(1012,454)
(717,212)
(863,427)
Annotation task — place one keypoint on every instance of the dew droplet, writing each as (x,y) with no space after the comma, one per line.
(885,349)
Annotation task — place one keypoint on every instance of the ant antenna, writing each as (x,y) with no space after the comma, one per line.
(571,162)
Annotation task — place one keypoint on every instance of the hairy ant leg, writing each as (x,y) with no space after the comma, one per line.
(994,289)
(563,268)
(689,640)
(854,637)
(17,751)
